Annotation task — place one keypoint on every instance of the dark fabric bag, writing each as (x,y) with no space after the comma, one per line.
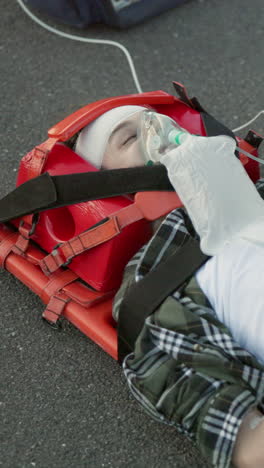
(119,13)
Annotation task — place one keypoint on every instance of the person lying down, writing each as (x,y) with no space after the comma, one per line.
(219,316)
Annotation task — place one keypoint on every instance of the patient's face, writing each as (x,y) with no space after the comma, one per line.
(123,147)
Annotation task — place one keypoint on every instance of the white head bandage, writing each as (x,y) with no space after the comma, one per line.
(92,141)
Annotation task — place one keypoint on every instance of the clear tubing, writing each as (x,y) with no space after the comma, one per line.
(249,155)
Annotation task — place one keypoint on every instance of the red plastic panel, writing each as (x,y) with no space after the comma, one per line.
(101,267)
(82,117)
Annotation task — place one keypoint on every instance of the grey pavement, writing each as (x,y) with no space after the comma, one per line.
(64,402)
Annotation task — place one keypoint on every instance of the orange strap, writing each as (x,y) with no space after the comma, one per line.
(25,229)
(55,297)
(55,308)
(58,280)
(64,253)
(6,247)
(37,158)
(148,205)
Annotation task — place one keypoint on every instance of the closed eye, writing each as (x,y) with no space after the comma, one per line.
(129,139)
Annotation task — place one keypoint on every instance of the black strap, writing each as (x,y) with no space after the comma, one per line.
(213,127)
(31,197)
(47,192)
(144,297)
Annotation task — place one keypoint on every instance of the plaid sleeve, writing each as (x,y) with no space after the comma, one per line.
(219,423)
(190,375)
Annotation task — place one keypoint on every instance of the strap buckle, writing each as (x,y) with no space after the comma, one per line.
(55,252)
(55,308)
(26,230)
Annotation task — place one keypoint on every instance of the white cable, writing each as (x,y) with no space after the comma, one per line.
(106,42)
(249,122)
(85,39)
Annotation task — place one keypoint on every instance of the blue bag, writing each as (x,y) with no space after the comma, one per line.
(119,13)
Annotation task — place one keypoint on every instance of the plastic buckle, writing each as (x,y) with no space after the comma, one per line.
(254,138)
(55,308)
(56,252)
(28,232)
(35,220)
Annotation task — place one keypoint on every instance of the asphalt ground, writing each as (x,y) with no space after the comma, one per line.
(64,401)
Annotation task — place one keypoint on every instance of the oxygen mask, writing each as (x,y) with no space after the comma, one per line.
(158,134)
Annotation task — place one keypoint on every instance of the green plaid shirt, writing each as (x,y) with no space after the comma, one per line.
(187,370)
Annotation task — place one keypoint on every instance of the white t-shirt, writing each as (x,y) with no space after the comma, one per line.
(233,282)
